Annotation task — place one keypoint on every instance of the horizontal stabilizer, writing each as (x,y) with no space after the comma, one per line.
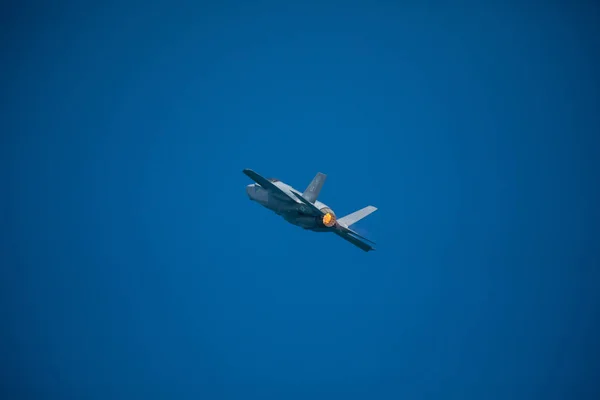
(358,235)
(356,216)
(347,236)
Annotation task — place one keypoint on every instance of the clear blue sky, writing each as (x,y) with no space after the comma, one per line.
(134,265)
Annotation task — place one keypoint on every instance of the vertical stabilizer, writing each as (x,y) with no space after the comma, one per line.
(312,191)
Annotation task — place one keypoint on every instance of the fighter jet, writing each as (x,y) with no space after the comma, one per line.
(304,210)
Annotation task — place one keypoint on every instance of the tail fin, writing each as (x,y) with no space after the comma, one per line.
(356,216)
(312,191)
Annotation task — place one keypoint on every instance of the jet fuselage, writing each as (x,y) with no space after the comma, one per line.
(294,212)
(304,210)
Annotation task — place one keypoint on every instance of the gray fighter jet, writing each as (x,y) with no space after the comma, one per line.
(304,210)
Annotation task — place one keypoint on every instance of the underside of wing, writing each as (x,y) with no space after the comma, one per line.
(267,185)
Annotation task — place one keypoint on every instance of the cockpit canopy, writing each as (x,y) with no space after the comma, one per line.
(273,179)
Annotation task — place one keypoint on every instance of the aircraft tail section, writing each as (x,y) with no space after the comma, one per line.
(345,234)
(312,191)
(356,216)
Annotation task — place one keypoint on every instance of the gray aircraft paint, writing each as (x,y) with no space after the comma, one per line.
(303,209)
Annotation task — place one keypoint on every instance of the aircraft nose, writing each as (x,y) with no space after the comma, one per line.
(249,190)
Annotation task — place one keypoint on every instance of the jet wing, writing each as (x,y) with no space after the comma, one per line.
(314,210)
(269,186)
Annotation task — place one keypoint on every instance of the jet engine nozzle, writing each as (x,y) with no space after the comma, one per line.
(329,219)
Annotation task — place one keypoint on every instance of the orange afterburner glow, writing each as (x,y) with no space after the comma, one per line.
(328,220)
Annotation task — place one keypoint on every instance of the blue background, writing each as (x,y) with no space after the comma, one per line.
(134,265)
